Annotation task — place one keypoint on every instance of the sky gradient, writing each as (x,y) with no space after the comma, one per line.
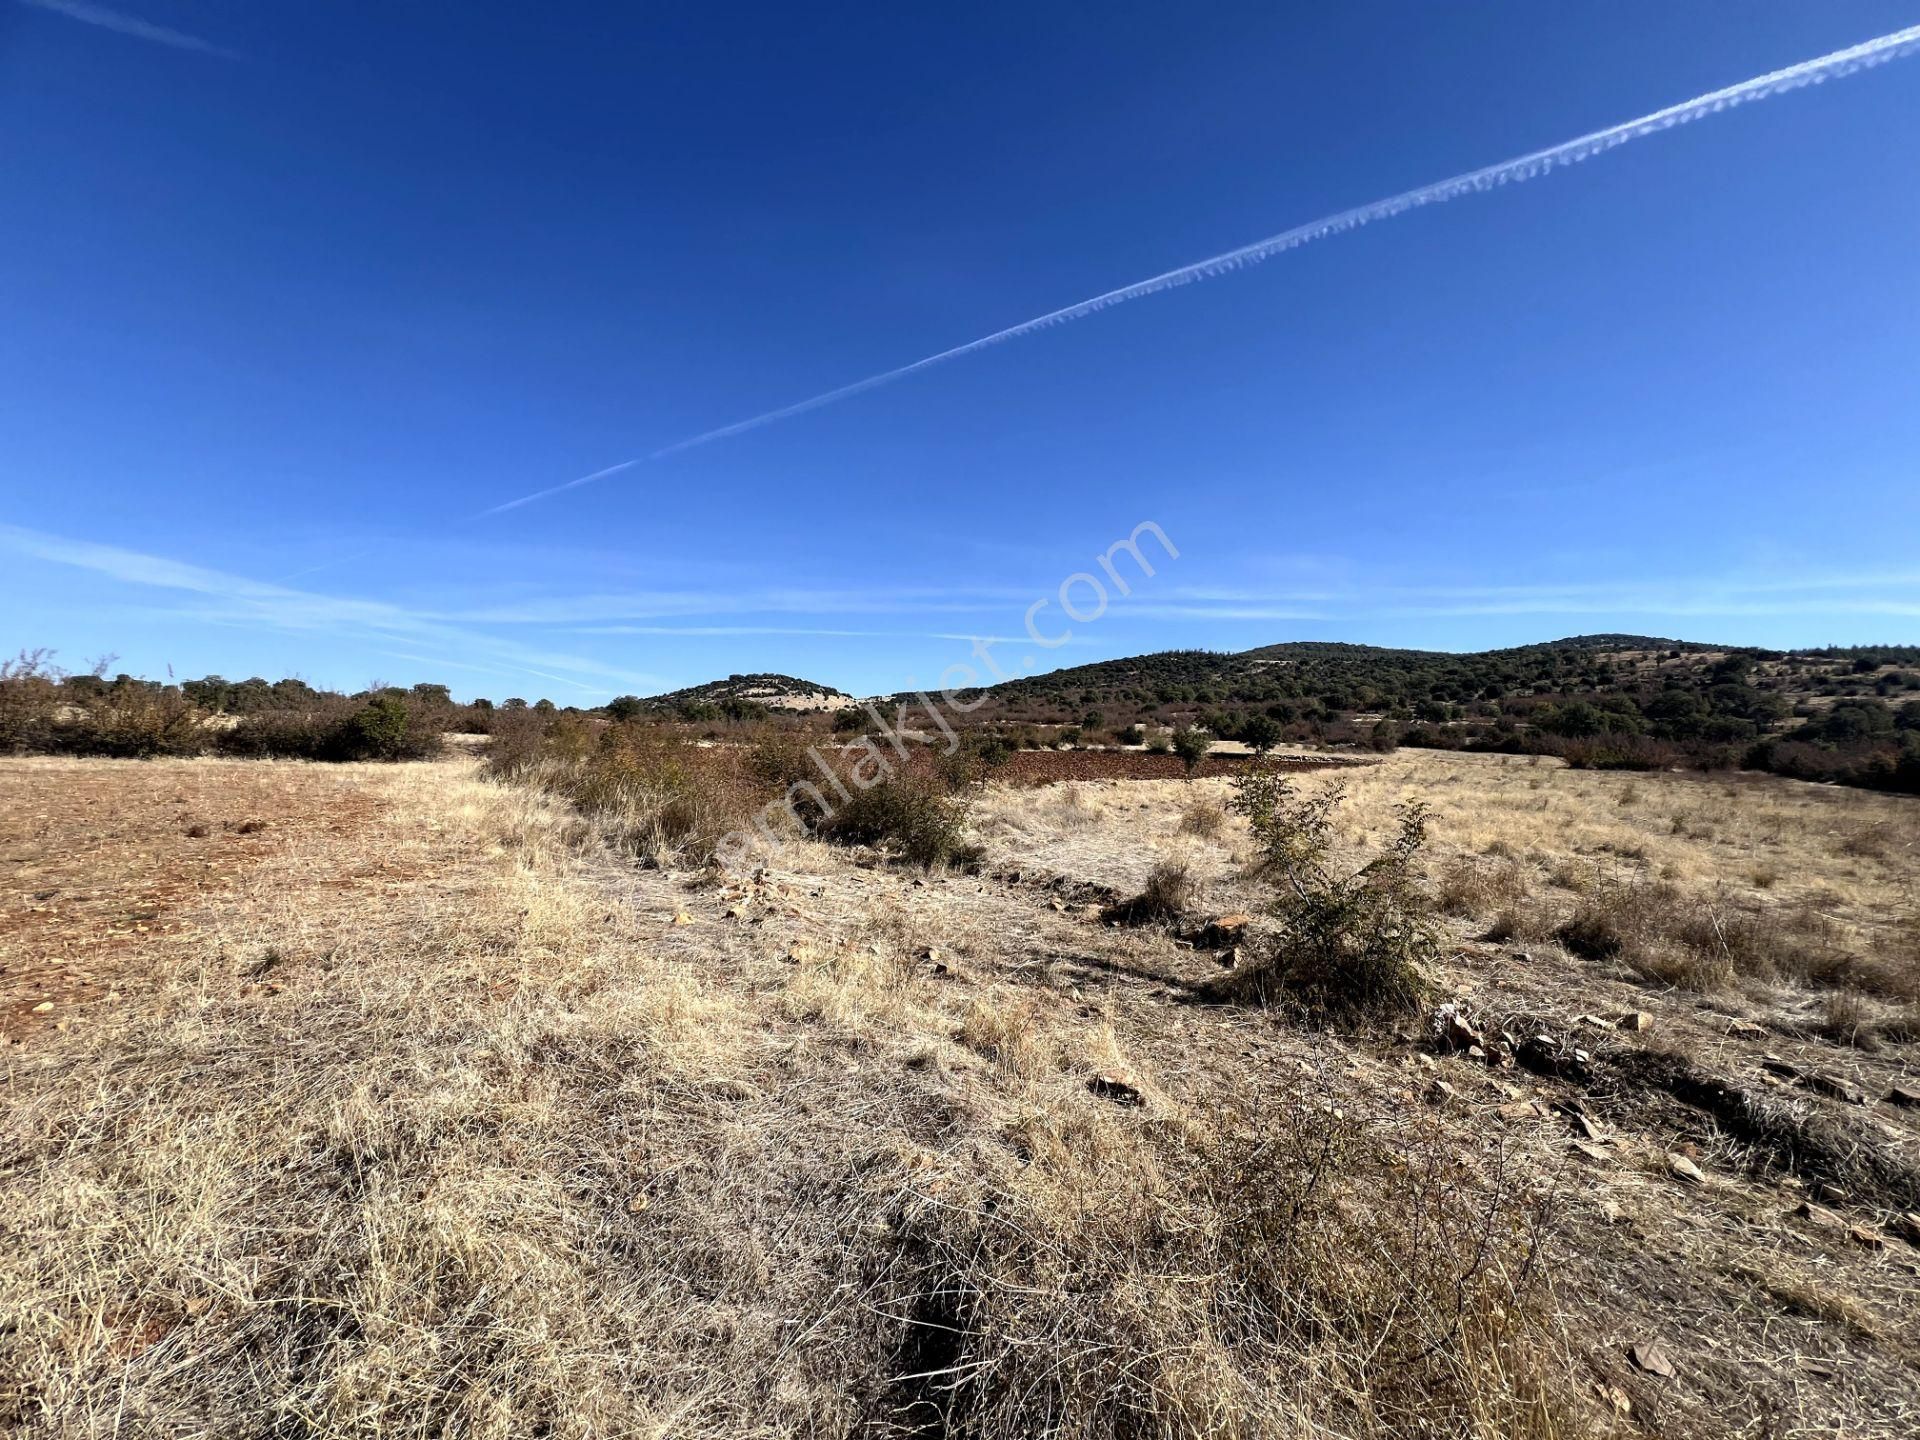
(295,298)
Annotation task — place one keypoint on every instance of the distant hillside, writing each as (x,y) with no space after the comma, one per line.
(1336,677)
(1848,713)
(742,693)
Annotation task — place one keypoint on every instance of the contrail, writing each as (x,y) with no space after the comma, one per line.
(1507,172)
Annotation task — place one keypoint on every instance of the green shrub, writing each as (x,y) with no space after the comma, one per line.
(913,816)
(387,727)
(1191,746)
(1349,945)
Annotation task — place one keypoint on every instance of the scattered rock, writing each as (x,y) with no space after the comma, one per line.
(681,917)
(1112,1087)
(1785,1069)
(1452,1030)
(1866,1235)
(1546,1054)
(1747,1029)
(1599,1154)
(638,1203)
(1222,931)
(1906,1224)
(1651,1359)
(730,1087)
(1637,1020)
(1818,1215)
(1590,1131)
(1613,1397)
(1439,1092)
(43,1007)
(1685,1169)
(1837,1087)
(1905,1096)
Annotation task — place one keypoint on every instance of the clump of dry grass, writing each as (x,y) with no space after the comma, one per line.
(1165,899)
(1169,890)
(1205,817)
(1289,1274)
(1473,890)
(1702,942)
(644,789)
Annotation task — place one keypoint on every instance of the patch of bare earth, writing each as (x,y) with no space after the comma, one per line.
(432,1117)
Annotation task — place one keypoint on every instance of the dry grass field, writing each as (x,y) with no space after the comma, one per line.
(388,1101)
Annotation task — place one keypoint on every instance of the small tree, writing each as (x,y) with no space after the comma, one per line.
(625,707)
(1191,745)
(1261,732)
(1350,944)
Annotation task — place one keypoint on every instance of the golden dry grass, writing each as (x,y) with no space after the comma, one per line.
(435,1116)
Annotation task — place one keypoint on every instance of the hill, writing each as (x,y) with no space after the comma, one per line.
(742,696)
(1845,713)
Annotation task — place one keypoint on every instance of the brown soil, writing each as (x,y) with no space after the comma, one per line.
(100,859)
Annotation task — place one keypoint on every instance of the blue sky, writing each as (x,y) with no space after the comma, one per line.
(293,294)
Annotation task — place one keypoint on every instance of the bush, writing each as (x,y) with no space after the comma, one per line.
(387,727)
(1261,732)
(1350,945)
(649,791)
(989,749)
(910,815)
(1191,746)
(134,722)
(44,710)
(29,701)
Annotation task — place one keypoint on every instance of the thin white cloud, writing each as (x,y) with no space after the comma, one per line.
(239,601)
(120,23)
(1521,168)
(1893,593)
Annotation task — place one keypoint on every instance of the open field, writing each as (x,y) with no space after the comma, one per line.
(385,1100)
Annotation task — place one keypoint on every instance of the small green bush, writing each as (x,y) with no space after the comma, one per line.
(913,816)
(1350,945)
(1191,746)
(387,727)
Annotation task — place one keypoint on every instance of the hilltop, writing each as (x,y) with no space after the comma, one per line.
(738,695)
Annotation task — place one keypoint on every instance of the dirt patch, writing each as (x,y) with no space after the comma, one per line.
(104,860)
